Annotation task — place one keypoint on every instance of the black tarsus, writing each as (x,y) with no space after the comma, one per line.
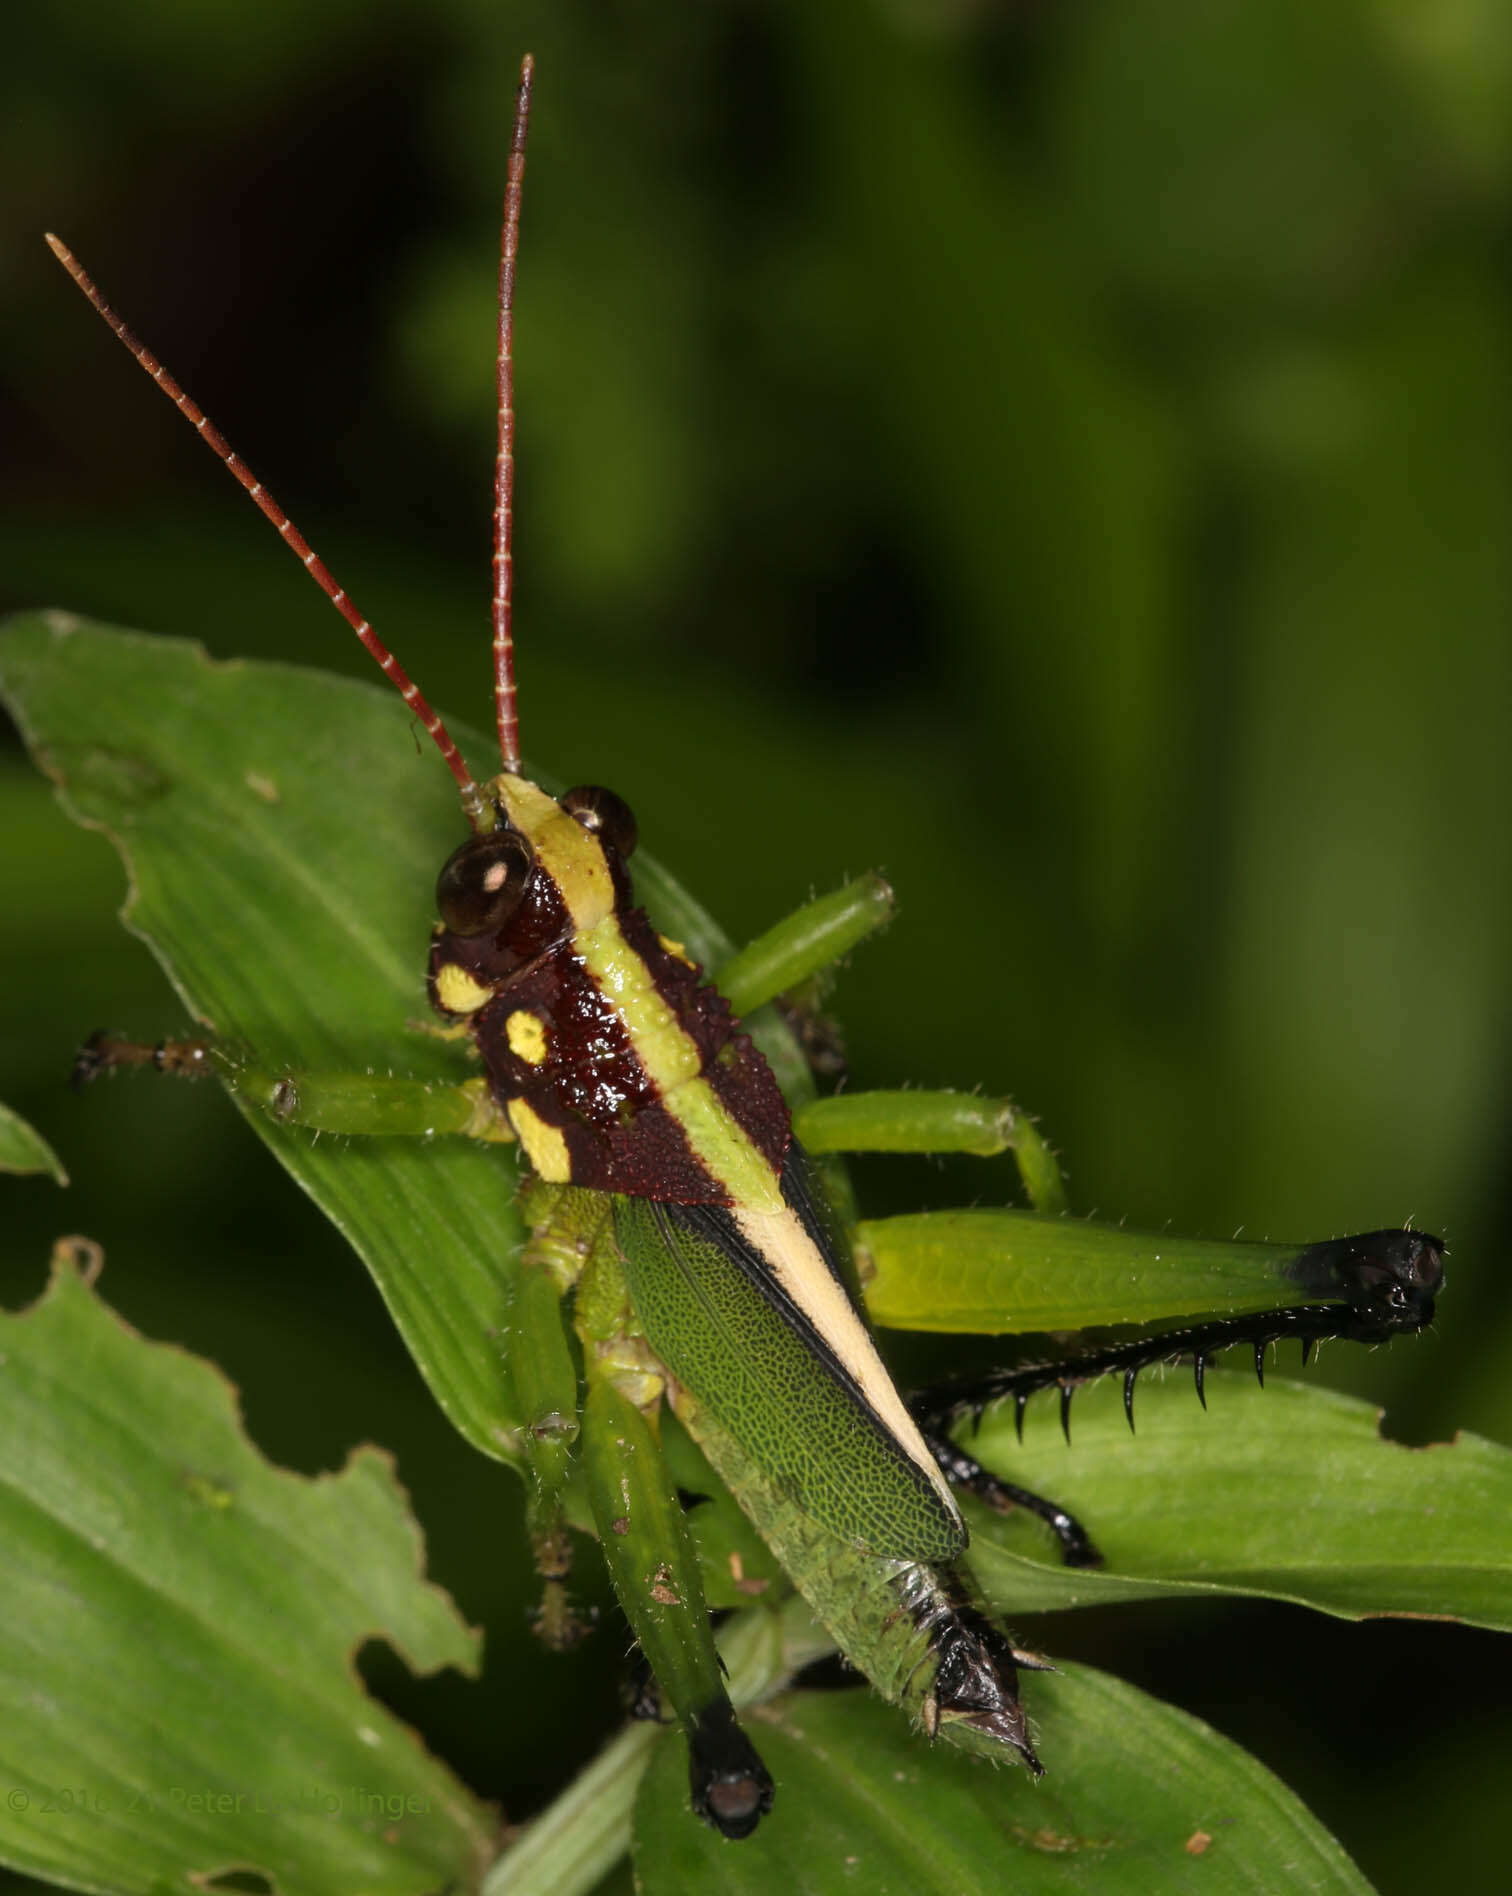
(1067,1390)
(1129,1376)
(730,1786)
(104,1052)
(1199,1370)
(90,1061)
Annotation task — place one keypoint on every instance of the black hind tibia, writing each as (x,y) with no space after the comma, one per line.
(965,1471)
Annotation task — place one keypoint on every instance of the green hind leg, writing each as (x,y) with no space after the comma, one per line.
(649,1547)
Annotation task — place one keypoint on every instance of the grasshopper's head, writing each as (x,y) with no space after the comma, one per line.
(548,871)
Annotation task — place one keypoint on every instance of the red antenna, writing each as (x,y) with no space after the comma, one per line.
(503,554)
(476,808)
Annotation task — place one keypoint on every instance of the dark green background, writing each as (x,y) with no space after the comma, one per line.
(1058,455)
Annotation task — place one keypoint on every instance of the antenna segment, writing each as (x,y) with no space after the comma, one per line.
(475,807)
(503,551)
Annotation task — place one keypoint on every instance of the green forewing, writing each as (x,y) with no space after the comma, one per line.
(805,1426)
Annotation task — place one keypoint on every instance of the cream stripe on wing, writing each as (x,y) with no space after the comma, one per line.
(797,1264)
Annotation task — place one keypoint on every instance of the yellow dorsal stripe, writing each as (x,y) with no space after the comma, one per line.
(569,854)
(673,1063)
(574,858)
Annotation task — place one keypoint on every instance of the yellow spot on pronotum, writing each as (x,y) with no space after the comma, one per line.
(544,1145)
(458,992)
(677,951)
(527,1036)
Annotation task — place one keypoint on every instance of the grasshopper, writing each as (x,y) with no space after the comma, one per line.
(668,1198)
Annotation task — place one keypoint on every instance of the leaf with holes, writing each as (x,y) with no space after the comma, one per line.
(179,1624)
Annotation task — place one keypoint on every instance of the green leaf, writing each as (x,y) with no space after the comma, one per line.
(178,1626)
(282,831)
(24,1150)
(1138,1797)
(1288,1491)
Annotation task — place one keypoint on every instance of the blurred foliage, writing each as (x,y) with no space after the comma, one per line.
(1055,454)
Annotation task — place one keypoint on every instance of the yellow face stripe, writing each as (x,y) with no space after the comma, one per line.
(458,992)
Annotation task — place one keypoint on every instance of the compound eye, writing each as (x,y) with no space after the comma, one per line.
(604,815)
(482,881)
